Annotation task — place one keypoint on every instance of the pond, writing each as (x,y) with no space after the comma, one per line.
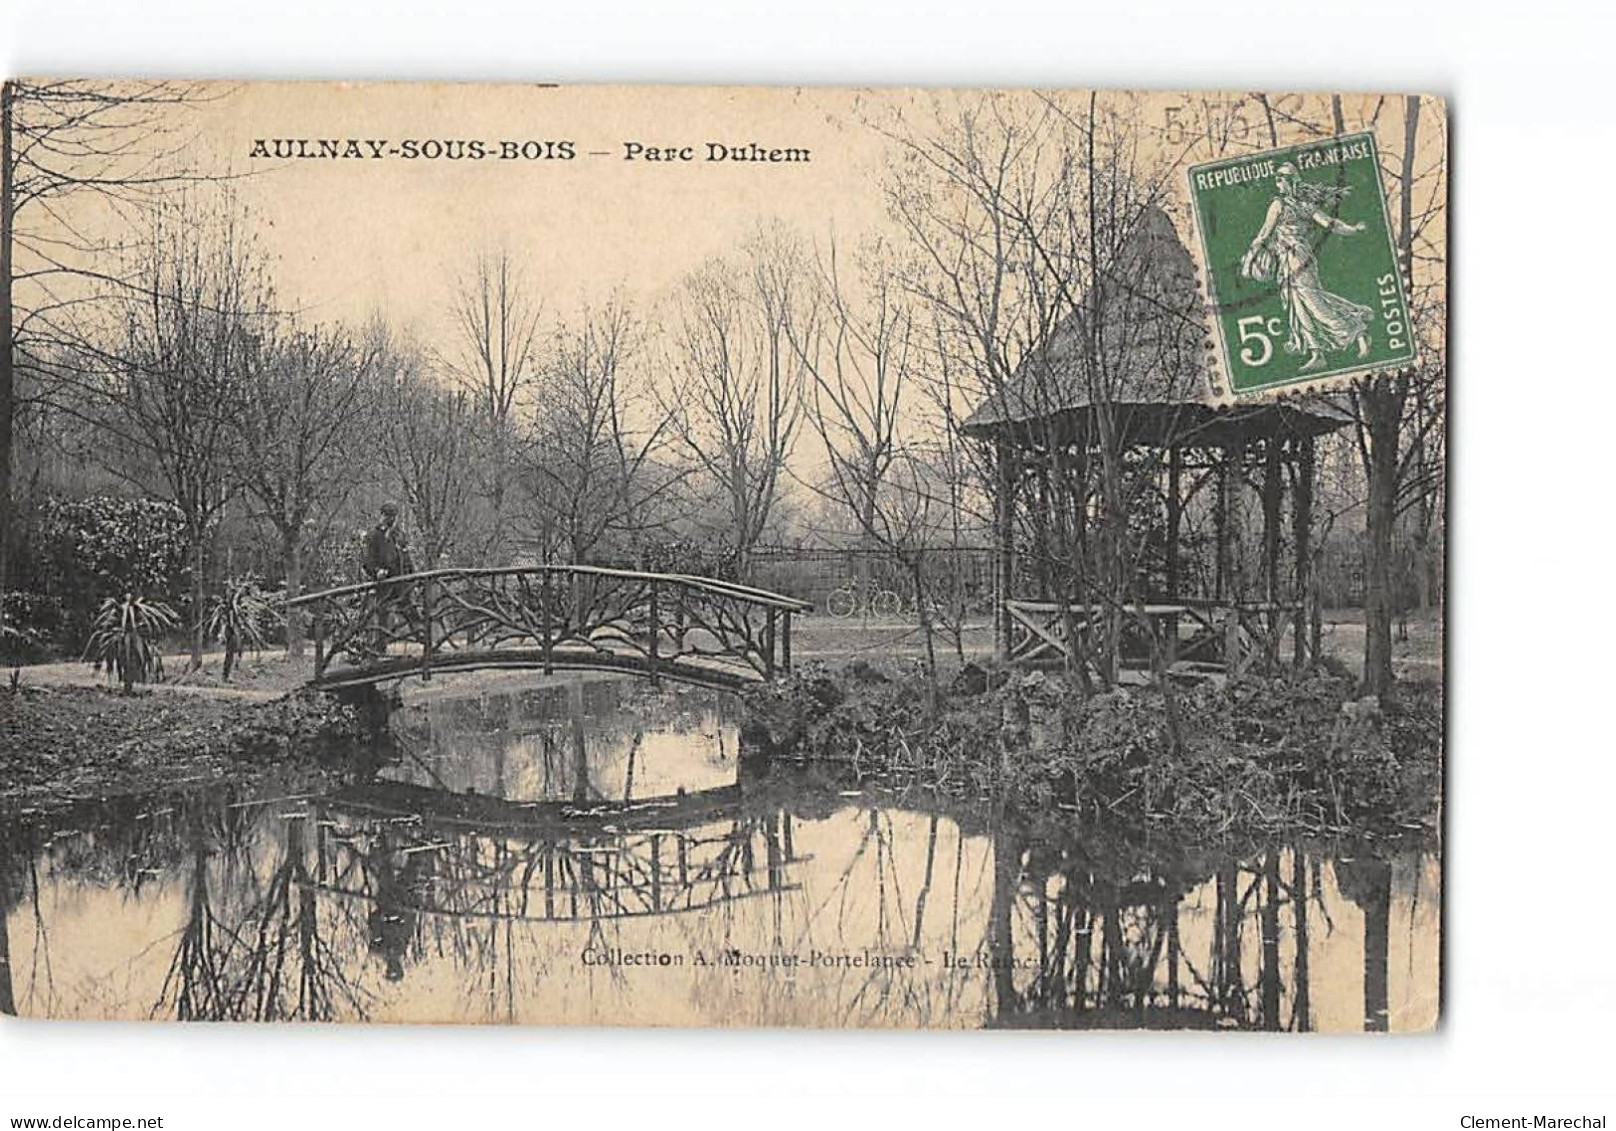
(597,852)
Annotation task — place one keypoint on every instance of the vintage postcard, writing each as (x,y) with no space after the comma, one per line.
(722,556)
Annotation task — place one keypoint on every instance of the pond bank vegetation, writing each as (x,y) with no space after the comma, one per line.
(1293,755)
(64,745)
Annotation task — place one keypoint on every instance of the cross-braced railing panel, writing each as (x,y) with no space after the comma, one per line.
(550,616)
(1231,637)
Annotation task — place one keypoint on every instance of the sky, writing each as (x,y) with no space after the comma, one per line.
(357,236)
(392,235)
(352,237)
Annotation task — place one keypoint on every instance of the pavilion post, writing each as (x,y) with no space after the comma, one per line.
(1042,546)
(1231,465)
(768,644)
(1074,591)
(1004,533)
(1175,516)
(1305,649)
(1272,470)
(1220,581)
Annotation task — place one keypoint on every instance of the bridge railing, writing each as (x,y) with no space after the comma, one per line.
(549,616)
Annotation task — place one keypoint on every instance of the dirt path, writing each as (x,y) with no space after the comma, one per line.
(1418,657)
(257,679)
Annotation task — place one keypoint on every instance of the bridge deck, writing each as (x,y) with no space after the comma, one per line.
(382,669)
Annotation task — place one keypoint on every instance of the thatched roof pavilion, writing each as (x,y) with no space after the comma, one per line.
(1132,356)
(1156,371)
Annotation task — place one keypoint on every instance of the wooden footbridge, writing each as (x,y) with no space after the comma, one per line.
(549,618)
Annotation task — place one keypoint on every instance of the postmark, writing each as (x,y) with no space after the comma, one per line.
(1303,283)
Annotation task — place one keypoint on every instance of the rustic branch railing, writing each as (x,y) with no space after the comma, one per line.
(549,617)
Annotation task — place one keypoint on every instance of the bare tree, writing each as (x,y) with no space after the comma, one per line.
(302,399)
(1036,230)
(79,161)
(496,318)
(860,357)
(859,367)
(951,178)
(592,456)
(193,315)
(738,403)
(1400,416)
(427,434)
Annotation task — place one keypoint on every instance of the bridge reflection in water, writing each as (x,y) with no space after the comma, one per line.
(530,857)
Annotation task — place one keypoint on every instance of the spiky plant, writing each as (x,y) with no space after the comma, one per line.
(240,618)
(124,637)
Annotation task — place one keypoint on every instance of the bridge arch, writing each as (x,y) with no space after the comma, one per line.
(550,618)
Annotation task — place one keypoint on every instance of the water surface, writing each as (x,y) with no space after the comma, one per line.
(594,851)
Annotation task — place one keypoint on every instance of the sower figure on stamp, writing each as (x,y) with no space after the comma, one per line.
(1286,251)
(387,555)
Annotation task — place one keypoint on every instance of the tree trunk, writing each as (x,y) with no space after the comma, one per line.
(1383,402)
(198,620)
(1383,412)
(1302,534)
(1301,1006)
(8,999)
(923,620)
(8,388)
(1376,900)
(292,560)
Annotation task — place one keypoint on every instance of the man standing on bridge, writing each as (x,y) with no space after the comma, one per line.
(386,555)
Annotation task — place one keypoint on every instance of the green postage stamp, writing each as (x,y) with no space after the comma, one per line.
(1301,270)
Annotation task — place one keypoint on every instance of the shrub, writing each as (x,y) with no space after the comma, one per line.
(103,546)
(29,623)
(240,618)
(124,637)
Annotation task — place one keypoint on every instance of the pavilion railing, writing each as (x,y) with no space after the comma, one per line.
(549,616)
(1198,635)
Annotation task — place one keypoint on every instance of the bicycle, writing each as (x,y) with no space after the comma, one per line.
(850,600)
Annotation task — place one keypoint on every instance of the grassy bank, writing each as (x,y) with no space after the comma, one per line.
(63,745)
(1217,762)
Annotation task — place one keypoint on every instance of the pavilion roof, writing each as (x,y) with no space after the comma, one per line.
(1144,327)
